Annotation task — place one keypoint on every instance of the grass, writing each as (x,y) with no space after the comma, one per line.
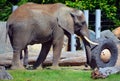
(56,75)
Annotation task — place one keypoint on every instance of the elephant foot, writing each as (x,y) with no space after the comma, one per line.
(40,68)
(54,67)
(30,67)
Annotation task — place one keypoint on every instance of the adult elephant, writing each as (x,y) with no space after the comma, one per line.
(46,24)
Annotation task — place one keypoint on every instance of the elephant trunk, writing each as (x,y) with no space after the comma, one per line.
(87,50)
(87,42)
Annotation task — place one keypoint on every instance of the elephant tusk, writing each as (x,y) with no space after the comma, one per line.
(90,41)
(86,38)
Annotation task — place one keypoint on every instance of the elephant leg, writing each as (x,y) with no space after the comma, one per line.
(16,63)
(17,55)
(21,57)
(88,51)
(56,54)
(57,48)
(43,54)
(69,41)
(25,59)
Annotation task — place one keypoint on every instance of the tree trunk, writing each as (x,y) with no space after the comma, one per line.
(67,58)
(105,72)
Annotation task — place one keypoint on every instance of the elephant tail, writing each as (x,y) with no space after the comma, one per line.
(8,27)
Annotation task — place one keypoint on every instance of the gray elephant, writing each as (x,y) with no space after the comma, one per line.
(46,24)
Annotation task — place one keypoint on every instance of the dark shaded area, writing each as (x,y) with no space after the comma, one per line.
(105,22)
(14,2)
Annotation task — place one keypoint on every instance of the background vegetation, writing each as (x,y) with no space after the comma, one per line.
(110,9)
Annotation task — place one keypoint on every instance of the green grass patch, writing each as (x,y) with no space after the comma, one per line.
(57,75)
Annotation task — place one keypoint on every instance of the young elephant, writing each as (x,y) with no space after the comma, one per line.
(46,24)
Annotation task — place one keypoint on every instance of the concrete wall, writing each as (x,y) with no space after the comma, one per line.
(4,45)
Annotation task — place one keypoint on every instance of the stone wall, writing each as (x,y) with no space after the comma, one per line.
(4,45)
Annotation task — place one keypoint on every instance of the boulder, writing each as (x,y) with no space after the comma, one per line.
(4,75)
(109,34)
(105,72)
(116,32)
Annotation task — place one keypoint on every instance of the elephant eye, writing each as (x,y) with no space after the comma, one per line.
(83,22)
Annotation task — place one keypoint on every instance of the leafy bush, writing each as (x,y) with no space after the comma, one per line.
(5,9)
(108,7)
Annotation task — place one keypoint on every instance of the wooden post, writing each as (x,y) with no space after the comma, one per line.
(73,43)
(86,13)
(98,23)
(14,8)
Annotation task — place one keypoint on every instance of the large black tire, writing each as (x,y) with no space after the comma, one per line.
(104,43)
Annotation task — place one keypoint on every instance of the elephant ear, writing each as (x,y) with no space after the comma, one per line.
(65,21)
(77,16)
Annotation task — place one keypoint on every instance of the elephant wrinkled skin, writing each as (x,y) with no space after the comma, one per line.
(46,24)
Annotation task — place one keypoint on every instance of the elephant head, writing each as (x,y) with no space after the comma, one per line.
(73,22)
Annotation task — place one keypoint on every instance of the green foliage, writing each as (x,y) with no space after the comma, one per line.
(108,7)
(82,5)
(5,10)
(50,75)
(22,2)
(6,6)
(57,75)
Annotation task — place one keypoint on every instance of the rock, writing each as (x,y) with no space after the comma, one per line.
(92,35)
(67,58)
(109,34)
(4,75)
(96,74)
(105,72)
(116,32)
(4,42)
